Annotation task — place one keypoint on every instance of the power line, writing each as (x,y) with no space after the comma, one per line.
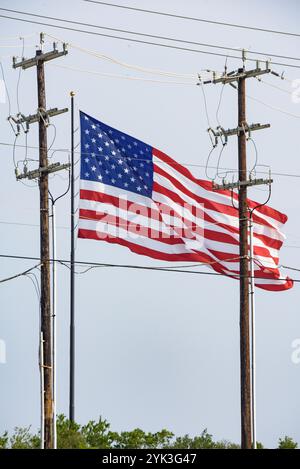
(192,165)
(139,41)
(153,36)
(35,225)
(124,77)
(137,267)
(26,272)
(220,23)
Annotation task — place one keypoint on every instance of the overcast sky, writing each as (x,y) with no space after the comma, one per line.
(153,349)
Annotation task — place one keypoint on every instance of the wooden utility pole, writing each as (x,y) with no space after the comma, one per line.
(45,256)
(242,131)
(244,274)
(42,117)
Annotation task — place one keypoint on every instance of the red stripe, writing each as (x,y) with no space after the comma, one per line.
(141,209)
(89,234)
(209,204)
(216,206)
(130,226)
(207,185)
(184,257)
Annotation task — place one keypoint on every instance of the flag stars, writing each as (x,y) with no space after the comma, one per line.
(106,144)
(120,176)
(120,161)
(113,153)
(93,155)
(126,170)
(93,140)
(86,160)
(100,149)
(93,126)
(100,177)
(87,145)
(125,184)
(139,188)
(100,135)
(113,180)
(113,166)
(87,175)
(135,144)
(106,157)
(93,168)
(87,131)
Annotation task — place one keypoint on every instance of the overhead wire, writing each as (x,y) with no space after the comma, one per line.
(127,65)
(153,36)
(139,41)
(135,267)
(124,77)
(185,164)
(19,274)
(172,15)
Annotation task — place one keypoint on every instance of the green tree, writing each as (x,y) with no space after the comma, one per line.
(137,438)
(97,434)
(287,443)
(23,439)
(4,440)
(69,434)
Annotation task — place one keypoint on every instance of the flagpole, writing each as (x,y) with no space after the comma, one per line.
(72,276)
(54,320)
(252,328)
(42,390)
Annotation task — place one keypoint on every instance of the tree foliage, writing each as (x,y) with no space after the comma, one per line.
(287,443)
(98,435)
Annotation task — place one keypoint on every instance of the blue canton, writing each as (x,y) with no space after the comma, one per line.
(115,158)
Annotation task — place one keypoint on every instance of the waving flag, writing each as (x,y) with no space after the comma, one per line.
(134,195)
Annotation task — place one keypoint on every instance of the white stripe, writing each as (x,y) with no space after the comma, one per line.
(105,228)
(126,215)
(200,191)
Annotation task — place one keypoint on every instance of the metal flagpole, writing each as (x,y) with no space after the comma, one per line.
(54,321)
(252,327)
(42,390)
(72,275)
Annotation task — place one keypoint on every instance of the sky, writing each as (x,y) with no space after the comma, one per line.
(153,349)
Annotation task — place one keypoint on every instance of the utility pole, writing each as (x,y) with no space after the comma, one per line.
(240,76)
(42,117)
(246,428)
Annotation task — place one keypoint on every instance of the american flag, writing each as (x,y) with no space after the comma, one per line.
(135,195)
